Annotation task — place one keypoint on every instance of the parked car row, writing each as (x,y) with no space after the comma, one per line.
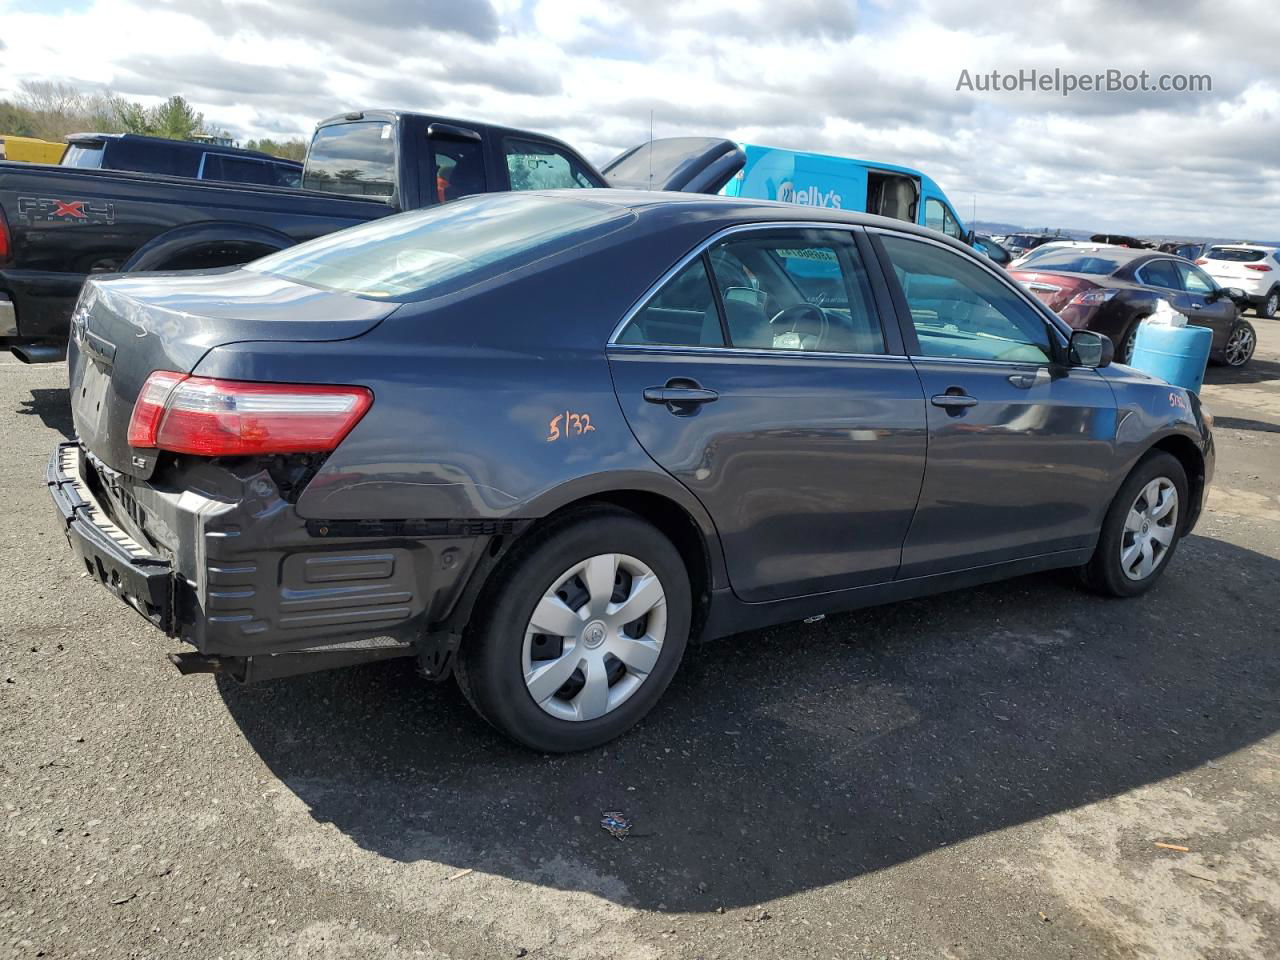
(1112,289)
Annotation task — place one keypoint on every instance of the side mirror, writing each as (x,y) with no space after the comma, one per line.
(1236,294)
(971,239)
(1090,349)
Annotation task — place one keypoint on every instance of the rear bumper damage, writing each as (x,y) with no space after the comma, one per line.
(224,563)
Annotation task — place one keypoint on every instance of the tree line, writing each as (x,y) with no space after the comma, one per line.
(51,111)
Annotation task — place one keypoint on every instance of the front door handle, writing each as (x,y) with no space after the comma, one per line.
(679,395)
(954,401)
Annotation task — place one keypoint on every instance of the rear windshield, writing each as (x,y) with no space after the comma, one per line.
(353,158)
(1234,254)
(1078,263)
(652,165)
(444,249)
(85,157)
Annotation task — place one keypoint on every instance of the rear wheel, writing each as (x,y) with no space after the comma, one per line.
(1141,529)
(587,624)
(1270,305)
(1240,345)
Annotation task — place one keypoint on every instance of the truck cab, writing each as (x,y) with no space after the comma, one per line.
(707,165)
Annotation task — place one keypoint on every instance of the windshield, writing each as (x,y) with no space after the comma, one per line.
(1071,262)
(1235,254)
(447,248)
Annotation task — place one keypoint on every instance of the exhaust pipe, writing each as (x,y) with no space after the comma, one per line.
(39,352)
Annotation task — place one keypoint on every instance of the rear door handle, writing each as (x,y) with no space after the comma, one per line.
(954,401)
(679,395)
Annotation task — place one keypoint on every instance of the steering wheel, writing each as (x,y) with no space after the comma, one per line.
(789,319)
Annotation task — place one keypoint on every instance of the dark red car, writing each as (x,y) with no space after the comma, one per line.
(1111,290)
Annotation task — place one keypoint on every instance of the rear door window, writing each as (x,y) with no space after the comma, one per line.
(538,165)
(358,159)
(459,168)
(682,313)
(796,290)
(1161,273)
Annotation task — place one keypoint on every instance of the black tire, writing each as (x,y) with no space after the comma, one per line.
(489,663)
(1269,305)
(1103,573)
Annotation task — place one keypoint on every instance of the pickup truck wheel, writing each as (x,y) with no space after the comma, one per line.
(583,628)
(1141,530)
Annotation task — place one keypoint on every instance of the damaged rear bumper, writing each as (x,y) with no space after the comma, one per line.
(133,573)
(221,560)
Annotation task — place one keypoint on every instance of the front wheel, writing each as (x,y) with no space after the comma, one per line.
(1240,345)
(1141,529)
(584,628)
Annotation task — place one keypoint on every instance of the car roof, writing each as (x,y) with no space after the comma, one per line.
(1243,246)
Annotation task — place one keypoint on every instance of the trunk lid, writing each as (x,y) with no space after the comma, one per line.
(124,328)
(683,164)
(1054,290)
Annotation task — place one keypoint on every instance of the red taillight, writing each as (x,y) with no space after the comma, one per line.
(1259,267)
(1201,261)
(6,248)
(1092,297)
(231,418)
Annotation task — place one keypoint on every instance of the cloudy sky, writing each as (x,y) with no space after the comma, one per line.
(871,79)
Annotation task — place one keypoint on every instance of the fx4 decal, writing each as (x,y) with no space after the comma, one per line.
(54,210)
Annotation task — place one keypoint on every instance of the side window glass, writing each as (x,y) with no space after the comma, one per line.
(950,225)
(1161,273)
(1195,281)
(934,215)
(540,166)
(459,168)
(796,290)
(961,311)
(682,313)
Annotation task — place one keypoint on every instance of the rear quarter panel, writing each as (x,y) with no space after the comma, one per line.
(496,405)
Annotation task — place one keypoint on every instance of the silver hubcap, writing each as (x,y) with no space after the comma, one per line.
(1273,304)
(1149,529)
(1240,346)
(594,637)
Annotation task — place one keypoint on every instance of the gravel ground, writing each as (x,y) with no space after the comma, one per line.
(980,775)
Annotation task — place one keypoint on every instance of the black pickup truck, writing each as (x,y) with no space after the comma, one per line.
(60,224)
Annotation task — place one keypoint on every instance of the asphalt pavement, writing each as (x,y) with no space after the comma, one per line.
(986,774)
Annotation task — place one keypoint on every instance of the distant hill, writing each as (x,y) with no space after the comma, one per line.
(990,227)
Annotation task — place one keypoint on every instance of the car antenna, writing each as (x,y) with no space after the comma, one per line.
(650,149)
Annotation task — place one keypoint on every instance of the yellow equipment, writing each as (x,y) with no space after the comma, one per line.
(30,150)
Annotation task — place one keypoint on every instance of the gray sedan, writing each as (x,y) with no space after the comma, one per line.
(541,441)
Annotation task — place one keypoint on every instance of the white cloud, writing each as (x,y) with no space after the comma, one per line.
(876,80)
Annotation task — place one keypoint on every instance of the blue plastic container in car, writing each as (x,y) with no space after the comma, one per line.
(1176,354)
